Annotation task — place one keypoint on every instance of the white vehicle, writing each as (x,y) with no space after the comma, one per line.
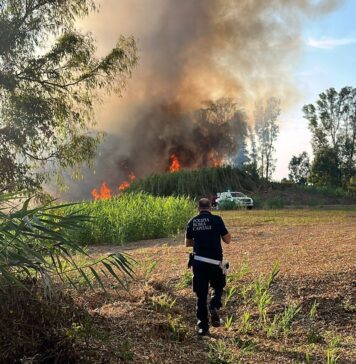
(238,197)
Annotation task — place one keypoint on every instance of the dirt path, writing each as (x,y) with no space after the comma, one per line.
(316,251)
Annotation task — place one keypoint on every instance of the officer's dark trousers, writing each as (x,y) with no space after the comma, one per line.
(205,274)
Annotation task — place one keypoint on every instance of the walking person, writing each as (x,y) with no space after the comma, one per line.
(204,233)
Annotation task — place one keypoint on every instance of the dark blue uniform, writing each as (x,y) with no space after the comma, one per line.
(206,230)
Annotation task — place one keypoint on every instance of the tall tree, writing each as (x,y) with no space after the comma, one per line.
(267,130)
(299,168)
(223,124)
(49,77)
(251,165)
(332,121)
(325,169)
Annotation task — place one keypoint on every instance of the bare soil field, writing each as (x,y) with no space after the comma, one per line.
(153,321)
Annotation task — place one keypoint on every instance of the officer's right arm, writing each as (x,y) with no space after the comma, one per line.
(189,242)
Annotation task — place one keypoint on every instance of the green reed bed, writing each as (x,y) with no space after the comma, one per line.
(132,217)
(198,183)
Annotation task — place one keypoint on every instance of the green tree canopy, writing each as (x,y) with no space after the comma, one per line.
(299,168)
(49,77)
(325,169)
(332,121)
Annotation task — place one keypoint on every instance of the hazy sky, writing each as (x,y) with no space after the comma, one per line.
(329,60)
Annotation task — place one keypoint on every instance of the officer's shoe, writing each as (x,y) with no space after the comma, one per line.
(215,319)
(202,332)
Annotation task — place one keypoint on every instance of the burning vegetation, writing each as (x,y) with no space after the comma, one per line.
(232,53)
(175,164)
(105,192)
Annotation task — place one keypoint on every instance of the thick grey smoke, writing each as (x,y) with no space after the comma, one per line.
(192,51)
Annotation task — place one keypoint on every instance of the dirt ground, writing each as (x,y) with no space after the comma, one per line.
(316,253)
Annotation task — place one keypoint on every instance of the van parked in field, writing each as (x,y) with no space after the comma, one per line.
(239,198)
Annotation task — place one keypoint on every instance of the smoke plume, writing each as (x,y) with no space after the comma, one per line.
(191,52)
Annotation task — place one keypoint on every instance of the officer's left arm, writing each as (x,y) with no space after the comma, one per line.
(226,238)
(225,235)
(189,242)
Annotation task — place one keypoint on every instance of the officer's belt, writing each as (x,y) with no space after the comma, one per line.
(207,260)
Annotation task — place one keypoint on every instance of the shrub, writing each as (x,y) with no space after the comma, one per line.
(229,205)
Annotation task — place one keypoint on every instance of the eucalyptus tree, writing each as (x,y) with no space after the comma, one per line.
(332,121)
(266,130)
(49,78)
(299,168)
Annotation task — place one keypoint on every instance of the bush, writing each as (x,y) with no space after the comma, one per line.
(230,205)
(134,216)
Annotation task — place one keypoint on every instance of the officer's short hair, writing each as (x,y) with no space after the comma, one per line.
(204,203)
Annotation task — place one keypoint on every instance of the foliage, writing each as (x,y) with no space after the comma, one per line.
(299,168)
(325,170)
(186,280)
(266,131)
(236,276)
(288,317)
(177,329)
(132,217)
(230,293)
(38,243)
(245,325)
(150,268)
(273,275)
(230,205)
(332,350)
(332,122)
(49,79)
(163,302)
(228,322)
(195,183)
(220,353)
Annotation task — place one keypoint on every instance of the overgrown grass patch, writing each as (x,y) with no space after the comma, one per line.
(132,217)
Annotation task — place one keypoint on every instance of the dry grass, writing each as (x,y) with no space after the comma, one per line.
(316,251)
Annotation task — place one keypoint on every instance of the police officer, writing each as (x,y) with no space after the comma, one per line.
(204,233)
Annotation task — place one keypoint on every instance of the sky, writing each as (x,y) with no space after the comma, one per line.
(329,60)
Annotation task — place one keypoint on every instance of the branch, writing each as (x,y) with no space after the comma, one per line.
(44,159)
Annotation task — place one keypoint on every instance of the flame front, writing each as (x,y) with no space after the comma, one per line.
(216,162)
(103,193)
(123,186)
(126,184)
(174,163)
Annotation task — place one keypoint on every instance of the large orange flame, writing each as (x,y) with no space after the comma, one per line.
(103,193)
(174,163)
